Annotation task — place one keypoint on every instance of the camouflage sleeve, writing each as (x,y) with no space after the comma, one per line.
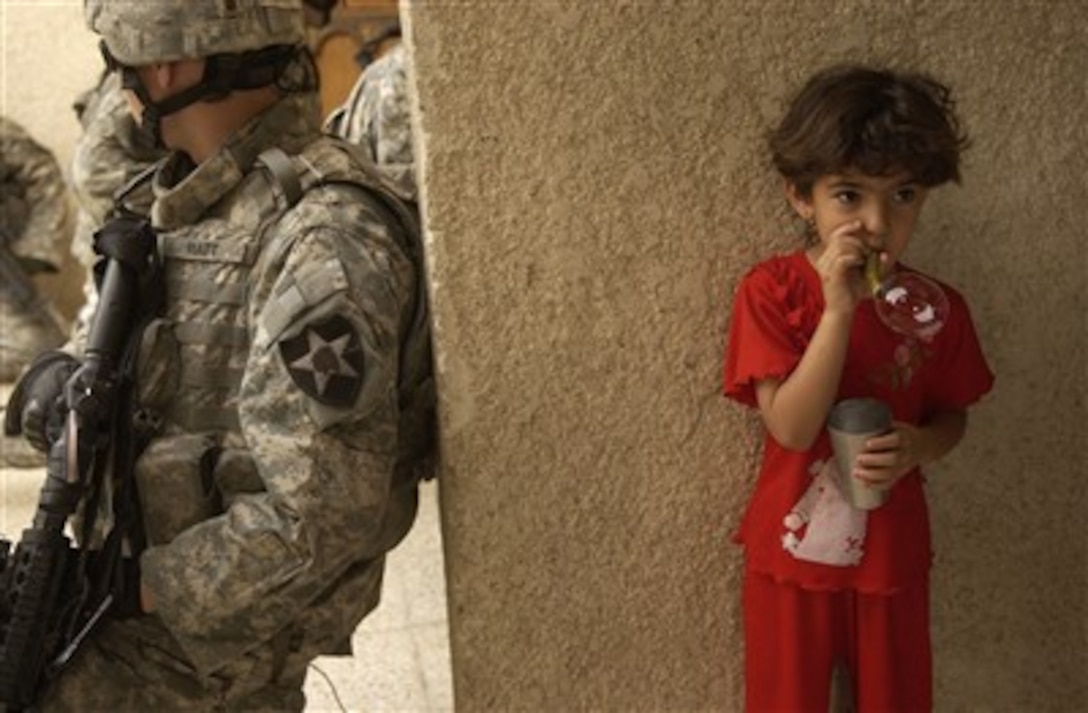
(377,113)
(111,150)
(319,413)
(29,165)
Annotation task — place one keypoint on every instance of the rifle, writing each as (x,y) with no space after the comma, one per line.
(51,593)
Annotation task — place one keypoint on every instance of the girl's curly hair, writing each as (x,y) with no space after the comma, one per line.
(876,121)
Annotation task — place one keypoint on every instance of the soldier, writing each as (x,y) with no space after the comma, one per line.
(111,151)
(33,240)
(377,114)
(288,372)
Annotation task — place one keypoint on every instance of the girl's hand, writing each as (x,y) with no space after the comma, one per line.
(840,264)
(889,457)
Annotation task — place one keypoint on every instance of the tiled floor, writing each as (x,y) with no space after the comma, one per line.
(401,662)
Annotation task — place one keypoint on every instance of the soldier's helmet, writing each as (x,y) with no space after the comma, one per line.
(140,32)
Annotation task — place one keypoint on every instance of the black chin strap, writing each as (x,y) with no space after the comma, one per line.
(223,74)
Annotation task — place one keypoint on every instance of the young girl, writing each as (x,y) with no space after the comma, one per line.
(829,587)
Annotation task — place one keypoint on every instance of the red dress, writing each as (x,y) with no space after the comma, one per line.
(777,307)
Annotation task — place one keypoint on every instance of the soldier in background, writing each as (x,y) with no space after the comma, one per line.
(111,151)
(377,114)
(287,373)
(33,239)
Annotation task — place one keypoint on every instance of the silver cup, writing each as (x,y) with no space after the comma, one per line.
(850,424)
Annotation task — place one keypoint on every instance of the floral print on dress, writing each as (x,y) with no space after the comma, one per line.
(822,527)
(802,306)
(907,360)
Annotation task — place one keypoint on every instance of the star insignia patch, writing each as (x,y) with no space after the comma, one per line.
(326,361)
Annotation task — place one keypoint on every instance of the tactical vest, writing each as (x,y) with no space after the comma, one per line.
(193,358)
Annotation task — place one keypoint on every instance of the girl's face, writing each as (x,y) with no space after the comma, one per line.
(886,207)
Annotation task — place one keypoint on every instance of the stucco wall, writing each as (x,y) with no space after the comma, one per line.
(595,184)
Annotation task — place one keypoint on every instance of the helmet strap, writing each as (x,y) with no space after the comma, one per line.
(223,74)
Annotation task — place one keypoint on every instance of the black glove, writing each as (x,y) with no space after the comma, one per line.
(36,406)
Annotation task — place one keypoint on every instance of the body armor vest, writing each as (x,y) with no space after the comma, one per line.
(193,358)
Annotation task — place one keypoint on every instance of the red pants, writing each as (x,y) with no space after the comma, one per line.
(794,637)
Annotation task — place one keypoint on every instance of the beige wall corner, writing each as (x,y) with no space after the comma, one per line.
(595,184)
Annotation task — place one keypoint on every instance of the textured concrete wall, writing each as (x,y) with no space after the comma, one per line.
(596,182)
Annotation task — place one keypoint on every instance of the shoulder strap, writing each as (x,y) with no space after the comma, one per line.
(283,171)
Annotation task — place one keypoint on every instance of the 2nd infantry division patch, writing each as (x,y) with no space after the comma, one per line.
(326,361)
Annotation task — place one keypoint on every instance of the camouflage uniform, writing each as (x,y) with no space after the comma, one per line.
(33,231)
(111,151)
(377,115)
(33,204)
(284,469)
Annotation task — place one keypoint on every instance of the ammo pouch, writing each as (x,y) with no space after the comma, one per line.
(175,479)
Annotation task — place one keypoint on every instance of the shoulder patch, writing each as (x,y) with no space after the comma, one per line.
(326,361)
